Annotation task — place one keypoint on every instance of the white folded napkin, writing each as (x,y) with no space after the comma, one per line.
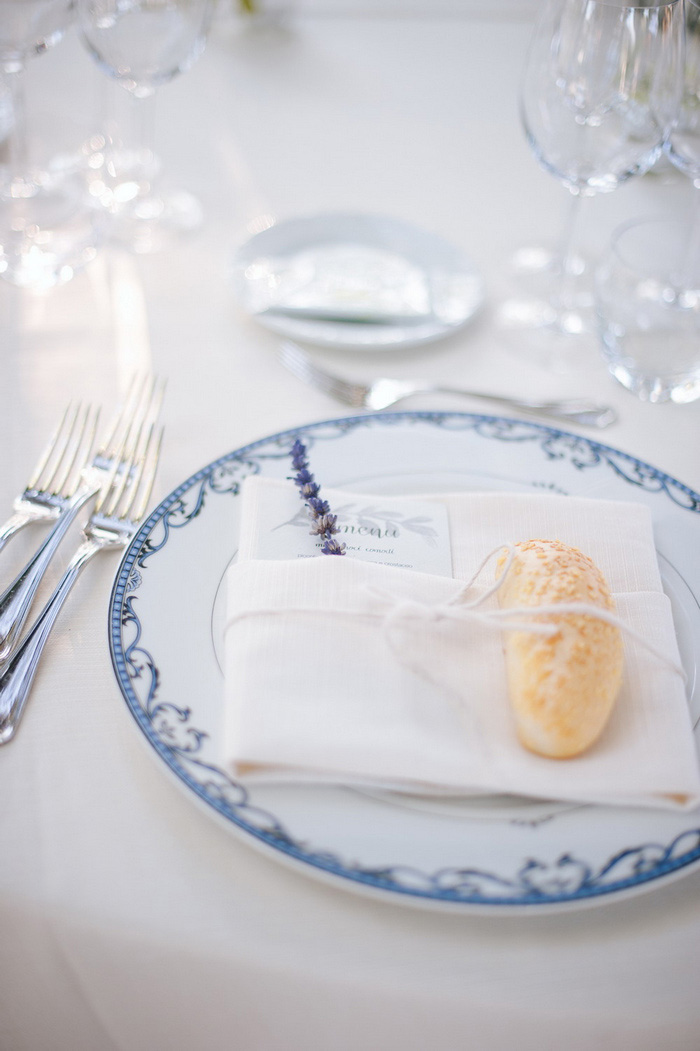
(342,671)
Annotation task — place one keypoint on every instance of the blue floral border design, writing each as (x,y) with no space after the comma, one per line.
(166,726)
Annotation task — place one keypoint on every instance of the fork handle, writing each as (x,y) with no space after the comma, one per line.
(18,674)
(579,410)
(13,525)
(16,600)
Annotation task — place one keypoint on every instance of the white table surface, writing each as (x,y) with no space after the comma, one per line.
(129,919)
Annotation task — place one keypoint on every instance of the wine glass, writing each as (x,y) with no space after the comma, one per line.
(47,229)
(143,44)
(600,92)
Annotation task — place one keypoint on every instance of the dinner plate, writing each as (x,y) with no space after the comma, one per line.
(495,853)
(354,281)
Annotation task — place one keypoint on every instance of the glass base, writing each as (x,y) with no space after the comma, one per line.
(562,341)
(48,230)
(679,389)
(649,304)
(154,223)
(146,214)
(657,366)
(550,319)
(537,268)
(543,261)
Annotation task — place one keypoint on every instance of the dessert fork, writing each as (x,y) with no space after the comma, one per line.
(75,480)
(382,393)
(118,511)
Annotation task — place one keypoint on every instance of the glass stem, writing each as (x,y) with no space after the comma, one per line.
(690,270)
(565,293)
(130,133)
(144,125)
(19,183)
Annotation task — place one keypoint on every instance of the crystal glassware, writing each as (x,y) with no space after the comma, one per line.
(648,302)
(599,95)
(143,44)
(47,229)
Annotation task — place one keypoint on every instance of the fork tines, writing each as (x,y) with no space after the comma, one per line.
(127,487)
(142,404)
(59,467)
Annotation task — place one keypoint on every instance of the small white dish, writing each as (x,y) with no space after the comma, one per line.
(354,281)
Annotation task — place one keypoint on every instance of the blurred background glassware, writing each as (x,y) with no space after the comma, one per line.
(143,44)
(648,304)
(47,228)
(683,146)
(600,92)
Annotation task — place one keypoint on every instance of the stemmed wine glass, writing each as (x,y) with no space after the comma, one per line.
(47,229)
(599,95)
(143,44)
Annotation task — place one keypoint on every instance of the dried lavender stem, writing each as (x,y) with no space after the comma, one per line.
(323,522)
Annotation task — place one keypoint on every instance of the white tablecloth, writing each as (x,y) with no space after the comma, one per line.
(129,919)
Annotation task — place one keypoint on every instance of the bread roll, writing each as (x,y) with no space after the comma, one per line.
(562,686)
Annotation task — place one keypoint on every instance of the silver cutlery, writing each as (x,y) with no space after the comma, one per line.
(382,393)
(51,485)
(76,480)
(118,511)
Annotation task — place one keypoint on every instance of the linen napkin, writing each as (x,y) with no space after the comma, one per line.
(343,671)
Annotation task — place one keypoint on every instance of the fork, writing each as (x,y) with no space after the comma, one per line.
(51,484)
(384,392)
(68,490)
(118,511)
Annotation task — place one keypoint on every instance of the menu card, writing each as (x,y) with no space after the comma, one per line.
(396,531)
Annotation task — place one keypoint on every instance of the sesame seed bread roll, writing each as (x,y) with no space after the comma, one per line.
(563,686)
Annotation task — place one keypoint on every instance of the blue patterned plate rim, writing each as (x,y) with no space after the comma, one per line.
(567,880)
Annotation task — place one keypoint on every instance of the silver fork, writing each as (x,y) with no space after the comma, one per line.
(119,508)
(79,481)
(53,480)
(382,393)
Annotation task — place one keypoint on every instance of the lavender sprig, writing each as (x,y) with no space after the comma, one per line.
(323,522)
